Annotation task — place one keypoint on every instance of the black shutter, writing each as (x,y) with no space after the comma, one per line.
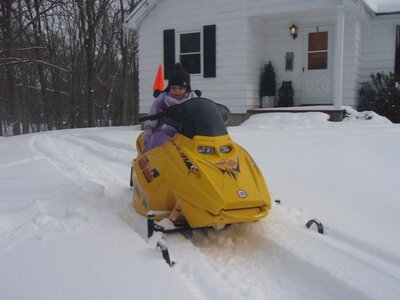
(169,51)
(397,56)
(209,45)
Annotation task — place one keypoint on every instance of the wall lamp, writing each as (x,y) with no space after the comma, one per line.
(293,31)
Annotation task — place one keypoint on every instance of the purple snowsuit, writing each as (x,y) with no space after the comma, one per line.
(157,132)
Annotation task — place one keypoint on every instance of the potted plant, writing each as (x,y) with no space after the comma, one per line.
(267,85)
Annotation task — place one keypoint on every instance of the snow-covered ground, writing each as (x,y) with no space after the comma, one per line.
(68,229)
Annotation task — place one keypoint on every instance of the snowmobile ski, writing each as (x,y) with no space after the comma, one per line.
(320,227)
(153,227)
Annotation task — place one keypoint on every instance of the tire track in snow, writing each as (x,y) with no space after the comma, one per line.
(83,160)
(278,247)
(102,179)
(107,142)
(202,274)
(261,267)
(359,260)
(99,167)
(380,259)
(196,271)
(104,152)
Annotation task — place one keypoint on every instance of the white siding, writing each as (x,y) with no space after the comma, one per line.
(242,46)
(256,41)
(231,28)
(380,45)
(369,47)
(352,60)
(251,33)
(361,31)
(278,42)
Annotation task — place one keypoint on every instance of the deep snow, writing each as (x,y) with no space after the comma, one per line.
(68,229)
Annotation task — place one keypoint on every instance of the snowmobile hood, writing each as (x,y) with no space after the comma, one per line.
(223,175)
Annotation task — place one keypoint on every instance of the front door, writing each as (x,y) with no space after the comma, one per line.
(317,65)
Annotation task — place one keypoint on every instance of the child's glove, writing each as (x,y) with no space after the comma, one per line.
(169,130)
(156,93)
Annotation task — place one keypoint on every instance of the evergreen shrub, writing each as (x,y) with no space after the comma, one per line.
(268,82)
(381,95)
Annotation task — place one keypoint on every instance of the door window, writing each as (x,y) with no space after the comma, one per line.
(318,50)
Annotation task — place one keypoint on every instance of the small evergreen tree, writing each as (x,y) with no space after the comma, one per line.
(268,82)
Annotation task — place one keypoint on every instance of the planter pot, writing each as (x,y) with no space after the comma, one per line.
(268,101)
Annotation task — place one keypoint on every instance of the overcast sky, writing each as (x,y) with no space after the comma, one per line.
(384,5)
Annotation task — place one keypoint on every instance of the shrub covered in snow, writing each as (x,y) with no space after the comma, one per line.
(381,95)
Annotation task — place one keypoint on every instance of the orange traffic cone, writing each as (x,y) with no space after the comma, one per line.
(159,80)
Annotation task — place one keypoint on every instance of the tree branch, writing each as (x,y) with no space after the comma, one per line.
(38,88)
(23,61)
(22,49)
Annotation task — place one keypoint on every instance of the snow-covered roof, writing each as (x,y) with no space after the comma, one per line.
(382,6)
(143,8)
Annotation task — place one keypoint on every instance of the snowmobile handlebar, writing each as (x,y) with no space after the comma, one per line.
(173,123)
(223,110)
(151,117)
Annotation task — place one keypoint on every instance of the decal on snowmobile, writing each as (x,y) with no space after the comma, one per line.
(230,167)
(195,170)
(191,167)
(242,193)
(148,173)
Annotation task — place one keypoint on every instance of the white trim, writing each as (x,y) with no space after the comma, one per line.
(339,48)
(142,9)
(178,47)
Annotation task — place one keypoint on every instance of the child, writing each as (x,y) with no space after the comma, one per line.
(178,90)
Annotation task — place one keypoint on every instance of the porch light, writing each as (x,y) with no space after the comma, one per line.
(293,31)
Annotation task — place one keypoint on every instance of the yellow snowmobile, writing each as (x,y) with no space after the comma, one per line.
(200,178)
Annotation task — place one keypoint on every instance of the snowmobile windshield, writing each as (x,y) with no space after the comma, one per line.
(198,116)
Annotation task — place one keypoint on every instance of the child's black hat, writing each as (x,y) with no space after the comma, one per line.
(178,77)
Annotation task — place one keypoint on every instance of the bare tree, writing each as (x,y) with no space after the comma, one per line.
(9,102)
(66,64)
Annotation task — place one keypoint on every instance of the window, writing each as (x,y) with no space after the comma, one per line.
(196,50)
(190,52)
(318,50)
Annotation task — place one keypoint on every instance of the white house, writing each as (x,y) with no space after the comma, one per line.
(225,44)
